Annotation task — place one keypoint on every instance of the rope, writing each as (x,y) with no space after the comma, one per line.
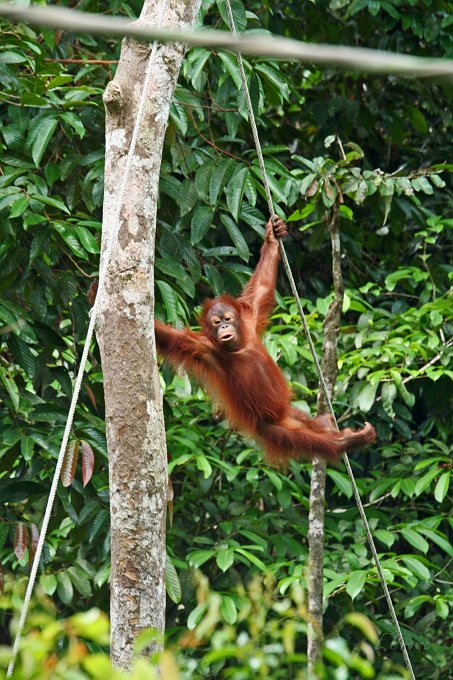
(111,240)
(313,350)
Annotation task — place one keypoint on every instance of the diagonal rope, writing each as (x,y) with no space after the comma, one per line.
(111,241)
(313,350)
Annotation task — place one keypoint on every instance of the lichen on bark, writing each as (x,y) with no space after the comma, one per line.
(133,400)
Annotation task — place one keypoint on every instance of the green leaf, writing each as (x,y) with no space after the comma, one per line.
(74,121)
(407,396)
(172,268)
(196,615)
(11,387)
(87,239)
(442,608)
(417,567)
(100,522)
(65,590)
(238,11)
(203,179)
(198,65)
(355,584)
(341,481)
(392,279)
(70,238)
(54,202)
(367,396)
(19,206)
(198,557)
(388,393)
(235,191)
(23,355)
(422,184)
(442,487)
(252,558)
(219,178)
(230,63)
(385,537)
(48,583)
(80,580)
(9,57)
(437,181)
(170,300)
(228,609)
(172,581)
(201,221)
(275,479)
(306,183)
(415,539)
(42,136)
(426,480)
(27,446)
(30,99)
(204,465)
(274,78)
(438,539)
(225,559)
(236,236)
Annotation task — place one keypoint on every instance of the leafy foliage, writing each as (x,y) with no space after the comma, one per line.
(371,149)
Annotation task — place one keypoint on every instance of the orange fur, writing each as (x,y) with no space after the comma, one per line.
(247,383)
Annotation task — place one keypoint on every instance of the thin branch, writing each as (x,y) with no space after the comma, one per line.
(193,107)
(448,344)
(356,58)
(210,142)
(444,568)
(90,276)
(83,61)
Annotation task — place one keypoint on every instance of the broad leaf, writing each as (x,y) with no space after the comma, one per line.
(228,609)
(201,221)
(42,136)
(172,581)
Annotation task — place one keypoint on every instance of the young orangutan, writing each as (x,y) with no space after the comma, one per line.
(229,359)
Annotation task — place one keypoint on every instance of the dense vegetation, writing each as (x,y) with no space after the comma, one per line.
(237,545)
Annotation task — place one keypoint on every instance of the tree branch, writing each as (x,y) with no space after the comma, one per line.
(356,58)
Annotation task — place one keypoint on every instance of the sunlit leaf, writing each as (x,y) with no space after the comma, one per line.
(355,584)
(442,485)
(225,559)
(228,609)
(64,589)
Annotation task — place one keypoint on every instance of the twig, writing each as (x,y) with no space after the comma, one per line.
(211,143)
(83,61)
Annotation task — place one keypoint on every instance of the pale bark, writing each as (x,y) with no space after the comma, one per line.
(133,399)
(329,367)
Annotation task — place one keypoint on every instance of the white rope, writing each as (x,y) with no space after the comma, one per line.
(111,240)
(313,350)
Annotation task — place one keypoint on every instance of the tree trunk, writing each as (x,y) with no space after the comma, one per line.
(318,476)
(133,400)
